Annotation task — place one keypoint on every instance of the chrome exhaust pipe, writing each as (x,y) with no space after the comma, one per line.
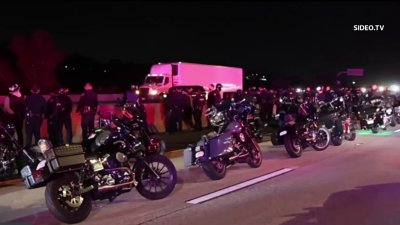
(117,186)
(238,156)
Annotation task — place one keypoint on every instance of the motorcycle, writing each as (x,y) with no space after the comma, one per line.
(12,155)
(397,114)
(303,131)
(374,116)
(285,114)
(250,114)
(110,163)
(133,117)
(231,143)
(335,117)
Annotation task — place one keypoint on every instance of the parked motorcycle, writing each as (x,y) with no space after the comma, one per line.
(110,163)
(287,110)
(303,130)
(12,155)
(374,115)
(250,114)
(335,117)
(397,114)
(133,116)
(231,143)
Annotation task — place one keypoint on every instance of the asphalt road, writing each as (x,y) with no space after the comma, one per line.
(356,183)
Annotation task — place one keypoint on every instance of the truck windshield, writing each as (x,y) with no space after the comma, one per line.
(153,80)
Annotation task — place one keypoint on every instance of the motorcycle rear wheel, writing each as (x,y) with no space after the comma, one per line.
(59,201)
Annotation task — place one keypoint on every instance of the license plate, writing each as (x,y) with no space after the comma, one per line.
(370,122)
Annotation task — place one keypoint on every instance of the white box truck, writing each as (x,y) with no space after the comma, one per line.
(163,76)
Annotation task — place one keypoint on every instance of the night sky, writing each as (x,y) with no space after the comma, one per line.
(306,39)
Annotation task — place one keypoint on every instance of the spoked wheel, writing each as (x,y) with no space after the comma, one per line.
(156,177)
(63,202)
(255,158)
(215,169)
(323,139)
(293,146)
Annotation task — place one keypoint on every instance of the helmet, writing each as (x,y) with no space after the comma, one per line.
(63,91)
(14,87)
(219,86)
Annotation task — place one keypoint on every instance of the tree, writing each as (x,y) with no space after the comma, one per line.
(37,59)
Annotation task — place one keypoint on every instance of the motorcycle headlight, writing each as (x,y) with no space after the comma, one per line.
(44,145)
(242,137)
(389,111)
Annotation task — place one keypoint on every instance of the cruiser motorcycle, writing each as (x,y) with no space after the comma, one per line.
(303,130)
(110,163)
(230,143)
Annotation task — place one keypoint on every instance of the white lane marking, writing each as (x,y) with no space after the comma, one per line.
(397,131)
(236,187)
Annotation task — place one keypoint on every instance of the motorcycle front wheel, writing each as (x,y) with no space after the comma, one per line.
(62,202)
(215,169)
(293,146)
(156,177)
(322,140)
(275,138)
(255,155)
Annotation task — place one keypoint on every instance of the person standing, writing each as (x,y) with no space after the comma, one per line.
(65,114)
(213,98)
(188,110)
(35,109)
(14,107)
(87,107)
(53,119)
(198,104)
